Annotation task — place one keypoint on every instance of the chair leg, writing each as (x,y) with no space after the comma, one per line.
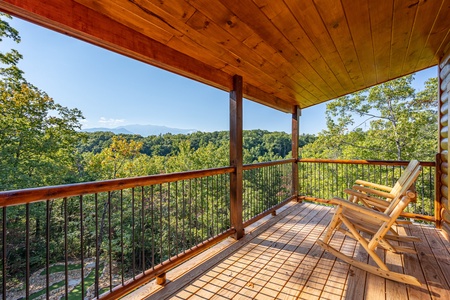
(365,244)
(335,222)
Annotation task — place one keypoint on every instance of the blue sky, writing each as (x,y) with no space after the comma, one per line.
(112,90)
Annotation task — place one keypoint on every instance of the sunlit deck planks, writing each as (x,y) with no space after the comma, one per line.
(280,260)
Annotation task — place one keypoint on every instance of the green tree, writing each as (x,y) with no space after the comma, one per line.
(121,159)
(37,148)
(400,124)
(37,135)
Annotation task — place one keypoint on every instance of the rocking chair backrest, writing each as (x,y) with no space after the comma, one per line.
(403,188)
(413,164)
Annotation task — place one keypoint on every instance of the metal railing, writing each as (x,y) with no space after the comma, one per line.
(103,239)
(267,186)
(108,237)
(326,178)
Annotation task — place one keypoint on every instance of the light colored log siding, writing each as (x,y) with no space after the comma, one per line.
(444,74)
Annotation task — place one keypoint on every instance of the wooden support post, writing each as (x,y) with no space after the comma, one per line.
(236,183)
(161,279)
(295,134)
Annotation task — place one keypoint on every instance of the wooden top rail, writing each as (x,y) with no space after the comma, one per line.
(367,162)
(268,164)
(16,197)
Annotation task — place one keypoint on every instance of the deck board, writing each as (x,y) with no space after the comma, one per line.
(283,262)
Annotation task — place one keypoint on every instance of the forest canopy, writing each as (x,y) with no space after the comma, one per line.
(391,121)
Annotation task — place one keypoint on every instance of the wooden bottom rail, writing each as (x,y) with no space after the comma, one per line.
(418,216)
(403,214)
(269,211)
(162,268)
(314,199)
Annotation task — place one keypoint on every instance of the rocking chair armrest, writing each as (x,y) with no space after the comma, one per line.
(373,200)
(360,209)
(372,191)
(374,185)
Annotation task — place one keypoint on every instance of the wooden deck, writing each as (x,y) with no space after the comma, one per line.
(280,260)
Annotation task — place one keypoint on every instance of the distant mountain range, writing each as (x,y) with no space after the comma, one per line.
(144,130)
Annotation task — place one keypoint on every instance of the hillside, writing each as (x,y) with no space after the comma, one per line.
(143,130)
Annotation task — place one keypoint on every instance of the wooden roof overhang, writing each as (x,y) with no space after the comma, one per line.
(289,52)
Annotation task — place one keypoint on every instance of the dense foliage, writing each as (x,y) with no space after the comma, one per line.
(37,135)
(107,156)
(390,121)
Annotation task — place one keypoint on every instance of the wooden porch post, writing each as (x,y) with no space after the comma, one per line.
(236,157)
(295,132)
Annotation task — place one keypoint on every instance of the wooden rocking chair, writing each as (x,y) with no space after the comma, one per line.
(379,196)
(351,218)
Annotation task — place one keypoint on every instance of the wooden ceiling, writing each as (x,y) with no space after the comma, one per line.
(289,52)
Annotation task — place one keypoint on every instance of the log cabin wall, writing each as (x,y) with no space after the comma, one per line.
(444,92)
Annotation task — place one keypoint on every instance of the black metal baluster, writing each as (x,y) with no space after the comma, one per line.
(263,191)
(110,240)
(202,210)
(176,218)
(330,180)
(393,176)
(321,191)
(184,214)
(27,251)
(431,187)
(168,220)
(207,207)
(190,212)
(143,229)
(161,258)
(422,191)
(386,171)
(122,259)
(380,175)
(338,176)
(256,191)
(219,194)
(82,245)
(266,188)
(315,179)
(97,247)
(47,256)
(66,251)
(4,248)
(196,211)
(255,201)
(272,186)
(211,197)
(276,187)
(152,207)
(132,235)
(269,191)
(214,197)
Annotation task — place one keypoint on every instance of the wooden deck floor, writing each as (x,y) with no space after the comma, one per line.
(280,260)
